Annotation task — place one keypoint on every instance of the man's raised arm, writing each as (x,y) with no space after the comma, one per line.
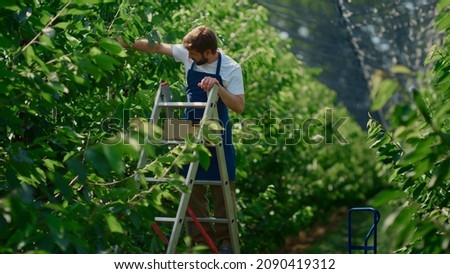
(144,46)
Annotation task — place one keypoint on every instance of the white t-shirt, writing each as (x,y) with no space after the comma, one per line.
(230,70)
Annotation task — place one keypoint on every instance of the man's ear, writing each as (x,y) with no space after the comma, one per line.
(207,53)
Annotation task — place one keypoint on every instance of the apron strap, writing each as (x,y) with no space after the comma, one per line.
(219,63)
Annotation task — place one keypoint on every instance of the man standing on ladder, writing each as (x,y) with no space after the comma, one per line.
(205,66)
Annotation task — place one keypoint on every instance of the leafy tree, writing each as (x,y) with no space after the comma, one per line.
(414,150)
(67,100)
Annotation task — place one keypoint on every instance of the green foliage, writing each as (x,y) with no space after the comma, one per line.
(74,105)
(415,151)
(68,155)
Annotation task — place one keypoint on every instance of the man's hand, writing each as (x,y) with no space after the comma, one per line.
(234,102)
(207,83)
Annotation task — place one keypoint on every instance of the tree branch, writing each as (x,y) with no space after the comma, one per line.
(116,15)
(42,31)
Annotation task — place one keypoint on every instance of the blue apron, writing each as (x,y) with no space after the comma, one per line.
(196,94)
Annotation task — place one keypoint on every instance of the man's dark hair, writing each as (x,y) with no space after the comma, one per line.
(200,39)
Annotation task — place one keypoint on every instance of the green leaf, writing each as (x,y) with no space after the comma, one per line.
(5,42)
(381,93)
(212,131)
(92,2)
(112,46)
(442,4)
(77,12)
(433,55)
(69,155)
(423,166)
(153,37)
(442,113)
(113,224)
(166,159)
(441,176)
(381,141)
(9,4)
(63,186)
(443,22)
(387,196)
(415,156)
(114,158)
(46,41)
(54,207)
(94,51)
(404,169)
(41,64)
(402,226)
(87,1)
(96,72)
(78,168)
(186,158)
(29,55)
(374,129)
(420,102)
(61,25)
(156,168)
(418,191)
(399,69)
(408,183)
(105,62)
(51,164)
(204,157)
(98,160)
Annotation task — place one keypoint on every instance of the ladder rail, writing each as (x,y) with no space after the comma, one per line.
(152,122)
(162,95)
(229,205)
(182,207)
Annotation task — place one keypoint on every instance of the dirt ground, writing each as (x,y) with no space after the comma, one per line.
(312,241)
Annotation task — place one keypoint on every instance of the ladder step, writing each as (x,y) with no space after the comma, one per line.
(183,104)
(208,182)
(189,219)
(197,182)
(156,180)
(169,142)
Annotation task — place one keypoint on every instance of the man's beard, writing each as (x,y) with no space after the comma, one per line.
(201,61)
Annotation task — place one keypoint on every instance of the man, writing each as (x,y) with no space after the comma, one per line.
(205,66)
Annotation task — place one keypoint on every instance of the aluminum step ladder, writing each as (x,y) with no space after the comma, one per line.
(163,103)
